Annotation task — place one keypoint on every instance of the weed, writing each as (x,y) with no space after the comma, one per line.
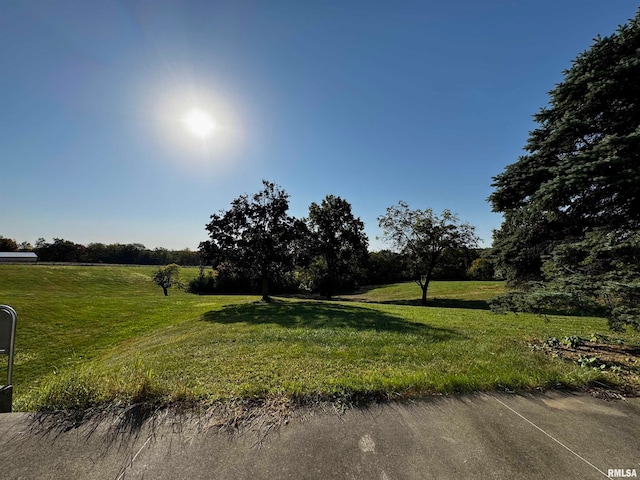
(590,362)
(573,341)
(551,342)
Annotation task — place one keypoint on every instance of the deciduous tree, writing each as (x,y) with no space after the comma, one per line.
(8,244)
(338,239)
(422,236)
(167,277)
(256,236)
(386,267)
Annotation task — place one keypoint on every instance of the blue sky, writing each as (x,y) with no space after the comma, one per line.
(374,101)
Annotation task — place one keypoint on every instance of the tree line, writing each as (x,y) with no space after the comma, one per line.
(61,250)
(380,267)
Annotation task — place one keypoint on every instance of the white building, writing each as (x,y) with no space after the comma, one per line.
(18,257)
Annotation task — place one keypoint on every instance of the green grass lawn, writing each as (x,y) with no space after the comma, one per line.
(470,294)
(90,336)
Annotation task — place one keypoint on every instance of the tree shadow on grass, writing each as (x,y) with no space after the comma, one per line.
(360,296)
(443,303)
(416,302)
(319,315)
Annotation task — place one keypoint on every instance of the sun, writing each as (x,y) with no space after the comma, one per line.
(194,125)
(199,123)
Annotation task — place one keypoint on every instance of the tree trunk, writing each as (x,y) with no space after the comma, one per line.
(427,279)
(166,293)
(329,279)
(424,287)
(329,290)
(265,290)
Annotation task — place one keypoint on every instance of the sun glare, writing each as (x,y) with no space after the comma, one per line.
(194,126)
(199,123)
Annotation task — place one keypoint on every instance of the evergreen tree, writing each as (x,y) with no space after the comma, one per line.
(571,205)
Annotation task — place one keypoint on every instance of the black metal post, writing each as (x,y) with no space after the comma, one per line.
(6,398)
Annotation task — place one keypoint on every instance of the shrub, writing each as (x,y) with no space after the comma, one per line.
(202,284)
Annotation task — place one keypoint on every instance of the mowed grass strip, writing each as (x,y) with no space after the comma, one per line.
(453,294)
(95,336)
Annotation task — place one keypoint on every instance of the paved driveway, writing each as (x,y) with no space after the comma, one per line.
(485,436)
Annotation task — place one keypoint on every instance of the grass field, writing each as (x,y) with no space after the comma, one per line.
(92,336)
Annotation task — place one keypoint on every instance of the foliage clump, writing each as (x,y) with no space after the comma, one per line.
(202,284)
(338,244)
(255,239)
(167,277)
(424,237)
(571,232)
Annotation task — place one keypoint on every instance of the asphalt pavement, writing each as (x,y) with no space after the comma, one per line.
(553,435)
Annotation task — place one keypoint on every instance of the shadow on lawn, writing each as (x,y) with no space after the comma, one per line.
(415,302)
(443,303)
(361,296)
(324,315)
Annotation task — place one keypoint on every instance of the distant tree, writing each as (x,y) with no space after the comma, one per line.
(60,250)
(97,253)
(454,263)
(185,257)
(422,236)
(25,247)
(167,277)
(116,253)
(385,266)
(130,253)
(338,239)
(571,205)
(8,244)
(481,269)
(159,256)
(255,236)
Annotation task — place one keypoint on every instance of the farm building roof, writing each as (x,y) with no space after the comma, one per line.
(13,256)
